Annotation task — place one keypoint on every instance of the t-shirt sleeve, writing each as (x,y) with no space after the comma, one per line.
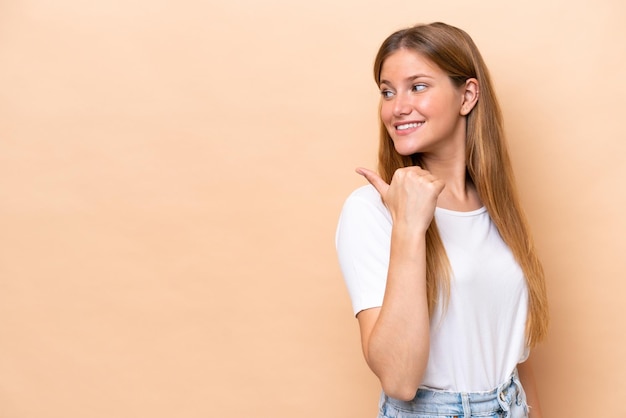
(363,240)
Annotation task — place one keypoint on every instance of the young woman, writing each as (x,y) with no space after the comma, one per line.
(436,253)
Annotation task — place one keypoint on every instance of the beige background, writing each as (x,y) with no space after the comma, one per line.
(171,173)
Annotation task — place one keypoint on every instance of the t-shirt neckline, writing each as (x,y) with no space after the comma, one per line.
(451,212)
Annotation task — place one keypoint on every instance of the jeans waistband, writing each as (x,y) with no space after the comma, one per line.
(508,395)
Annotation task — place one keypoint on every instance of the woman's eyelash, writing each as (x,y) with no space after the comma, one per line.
(416,87)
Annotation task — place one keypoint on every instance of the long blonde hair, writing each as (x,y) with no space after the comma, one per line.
(487,160)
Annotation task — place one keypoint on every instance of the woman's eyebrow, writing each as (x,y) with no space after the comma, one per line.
(410,78)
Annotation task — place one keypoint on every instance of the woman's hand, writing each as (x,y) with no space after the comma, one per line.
(411,197)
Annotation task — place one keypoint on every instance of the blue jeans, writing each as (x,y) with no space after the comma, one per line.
(507,401)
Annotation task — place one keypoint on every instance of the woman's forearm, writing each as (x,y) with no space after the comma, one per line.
(398,345)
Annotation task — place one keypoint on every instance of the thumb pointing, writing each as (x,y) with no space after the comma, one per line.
(374,179)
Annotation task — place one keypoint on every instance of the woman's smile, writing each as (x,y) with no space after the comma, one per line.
(408,127)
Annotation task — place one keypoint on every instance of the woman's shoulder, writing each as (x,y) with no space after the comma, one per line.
(365,193)
(364,222)
(365,201)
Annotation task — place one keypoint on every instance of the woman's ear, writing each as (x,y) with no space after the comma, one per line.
(470,96)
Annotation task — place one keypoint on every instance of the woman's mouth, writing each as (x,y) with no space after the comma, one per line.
(407,126)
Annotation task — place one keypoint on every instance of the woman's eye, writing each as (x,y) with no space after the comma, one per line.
(419,87)
(386,94)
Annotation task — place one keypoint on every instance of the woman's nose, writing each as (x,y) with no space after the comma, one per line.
(401,105)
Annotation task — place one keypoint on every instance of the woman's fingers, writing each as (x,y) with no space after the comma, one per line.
(417,179)
(375,180)
(412,195)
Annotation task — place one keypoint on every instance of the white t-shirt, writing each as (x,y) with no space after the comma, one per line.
(480,339)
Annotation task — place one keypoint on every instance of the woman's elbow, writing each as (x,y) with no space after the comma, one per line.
(404,392)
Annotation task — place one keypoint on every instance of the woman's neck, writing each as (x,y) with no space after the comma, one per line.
(459,193)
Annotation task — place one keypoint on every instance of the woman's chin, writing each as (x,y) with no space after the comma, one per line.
(406,152)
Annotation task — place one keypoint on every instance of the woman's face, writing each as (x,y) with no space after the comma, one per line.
(421,108)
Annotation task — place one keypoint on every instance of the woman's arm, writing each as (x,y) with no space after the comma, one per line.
(396,337)
(527,377)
